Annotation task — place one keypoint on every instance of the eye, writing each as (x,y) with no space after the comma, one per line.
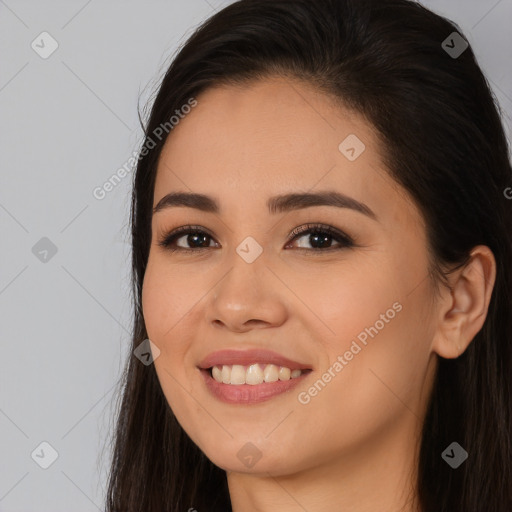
(193,235)
(320,237)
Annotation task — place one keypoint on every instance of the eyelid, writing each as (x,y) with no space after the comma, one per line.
(182,230)
(324,228)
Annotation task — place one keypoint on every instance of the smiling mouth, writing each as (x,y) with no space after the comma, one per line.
(245,393)
(253,374)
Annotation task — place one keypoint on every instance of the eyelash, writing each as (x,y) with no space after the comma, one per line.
(345,241)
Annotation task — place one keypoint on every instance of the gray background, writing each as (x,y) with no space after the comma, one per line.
(68,123)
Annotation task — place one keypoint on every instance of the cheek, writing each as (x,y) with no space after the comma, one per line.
(345,302)
(375,385)
(381,332)
(386,356)
(168,301)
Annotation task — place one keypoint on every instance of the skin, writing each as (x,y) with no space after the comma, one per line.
(354,446)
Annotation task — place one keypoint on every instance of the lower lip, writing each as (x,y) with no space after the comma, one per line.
(248,393)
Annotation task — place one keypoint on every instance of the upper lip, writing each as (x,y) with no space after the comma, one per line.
(246,357)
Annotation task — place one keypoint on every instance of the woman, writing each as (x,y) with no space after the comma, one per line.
(322,239)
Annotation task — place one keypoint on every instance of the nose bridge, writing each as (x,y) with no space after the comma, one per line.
(245,293)
(247,263)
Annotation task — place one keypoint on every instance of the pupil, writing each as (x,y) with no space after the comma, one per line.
(192,238)
(318,236)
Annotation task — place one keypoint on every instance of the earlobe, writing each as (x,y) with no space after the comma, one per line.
(463,308)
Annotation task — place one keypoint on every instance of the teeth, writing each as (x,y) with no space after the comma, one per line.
(217,374)
(226,374)
(253,374)
(237,374)
(284,373)
(271,373)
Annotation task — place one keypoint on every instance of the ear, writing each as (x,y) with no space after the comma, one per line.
(463,308)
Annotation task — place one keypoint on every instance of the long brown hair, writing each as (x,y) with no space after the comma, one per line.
(445,144)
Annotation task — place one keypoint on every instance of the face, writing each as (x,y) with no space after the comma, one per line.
(350,306)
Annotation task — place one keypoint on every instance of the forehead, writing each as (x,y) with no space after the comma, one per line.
(273,128)
(274,136)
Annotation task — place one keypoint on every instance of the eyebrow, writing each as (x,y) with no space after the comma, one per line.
(277,204)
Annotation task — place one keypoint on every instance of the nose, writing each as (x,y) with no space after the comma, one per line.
(248,297)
